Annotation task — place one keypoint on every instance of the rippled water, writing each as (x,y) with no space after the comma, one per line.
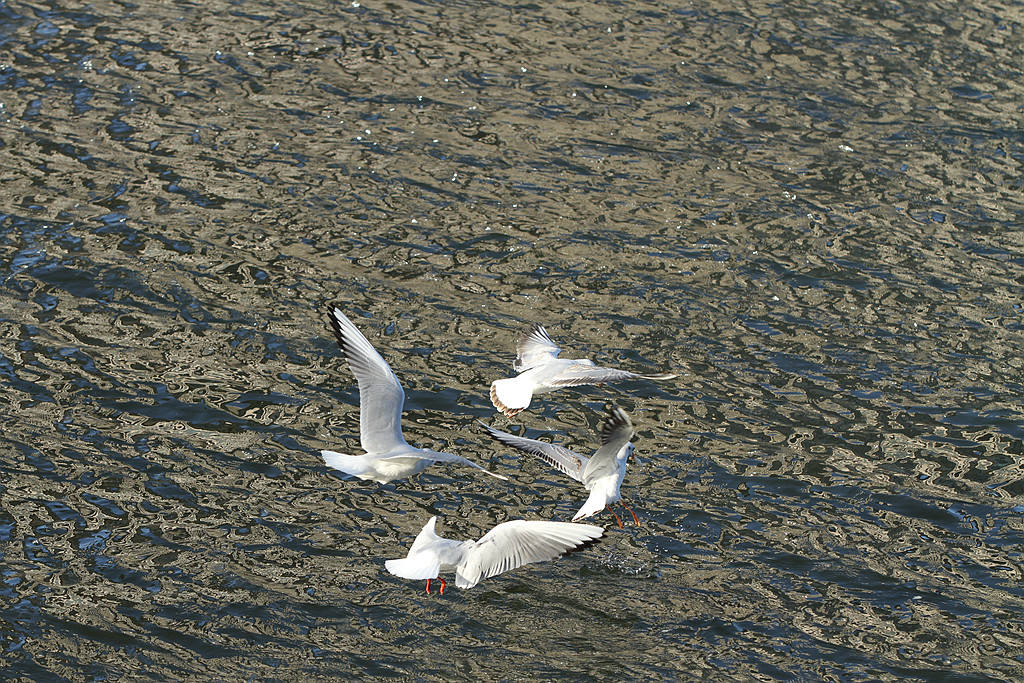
(813,210)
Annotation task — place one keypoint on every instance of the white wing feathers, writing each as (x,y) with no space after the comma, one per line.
(504,547)
(440,456)
(588,373)
(513,544)
(616,431)
(559,457)
(380,395)
(536,347)
(426,536)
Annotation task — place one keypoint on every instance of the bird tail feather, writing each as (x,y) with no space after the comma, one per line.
(510,396)
(595,503)
(352,465)
(414,567)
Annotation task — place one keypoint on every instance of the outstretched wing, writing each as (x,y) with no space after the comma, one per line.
(616,431)
(536,347)
(560,458)
(380,395)
(513,544)
(585,372)
(438,456)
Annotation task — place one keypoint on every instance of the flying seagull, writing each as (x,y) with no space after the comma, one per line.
(601,473)
(388,456)
(541,370)
(506,546)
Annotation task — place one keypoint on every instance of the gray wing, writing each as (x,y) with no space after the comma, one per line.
(585,372)
(536,347)
(562,459)
(616,431)
(439,456)
(380,395)
(513,544)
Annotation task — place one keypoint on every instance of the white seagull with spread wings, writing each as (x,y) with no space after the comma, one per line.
(506,546)
(541,370)
(381,398)
(601,474)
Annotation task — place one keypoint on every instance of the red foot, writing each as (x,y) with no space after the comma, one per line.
(635,519)
(614,515)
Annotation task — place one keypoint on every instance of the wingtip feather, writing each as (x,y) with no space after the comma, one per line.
(661,376)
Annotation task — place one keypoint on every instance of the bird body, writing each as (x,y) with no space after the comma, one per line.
(603,490)
(380,468)
(541,370)
(601,474)
(381,399)
(505,547)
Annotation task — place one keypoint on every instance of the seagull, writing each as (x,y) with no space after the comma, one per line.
(506,546)
(541,370)
(601,473)
(388,456)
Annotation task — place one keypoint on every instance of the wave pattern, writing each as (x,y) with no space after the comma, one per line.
(812,214)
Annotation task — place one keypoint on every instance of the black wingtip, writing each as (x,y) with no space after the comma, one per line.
(615,419)
(589,543)
(495,434)
(339,334)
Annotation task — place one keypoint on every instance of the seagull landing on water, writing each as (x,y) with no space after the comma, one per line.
(388,456)
(602,473)
(541,370)
(506,546)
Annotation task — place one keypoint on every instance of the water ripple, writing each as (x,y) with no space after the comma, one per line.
(810,214)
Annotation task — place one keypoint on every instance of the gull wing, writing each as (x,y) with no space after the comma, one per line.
(438,456)
(513,544)
(588,373)
(380,395)
(562,459)
(535,348)
(616,432)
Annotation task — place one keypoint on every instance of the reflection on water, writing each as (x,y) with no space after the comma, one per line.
(813,213)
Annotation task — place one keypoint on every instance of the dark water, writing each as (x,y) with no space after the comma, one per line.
(814,210)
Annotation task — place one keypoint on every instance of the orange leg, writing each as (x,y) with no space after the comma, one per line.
(428,586)
(632,513)
(614,515)
(442,586)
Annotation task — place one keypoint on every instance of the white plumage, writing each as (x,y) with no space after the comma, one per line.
(541,370)
(602,473)
(381,399)
(505,547)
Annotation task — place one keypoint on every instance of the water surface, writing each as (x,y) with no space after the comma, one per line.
(812,211)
